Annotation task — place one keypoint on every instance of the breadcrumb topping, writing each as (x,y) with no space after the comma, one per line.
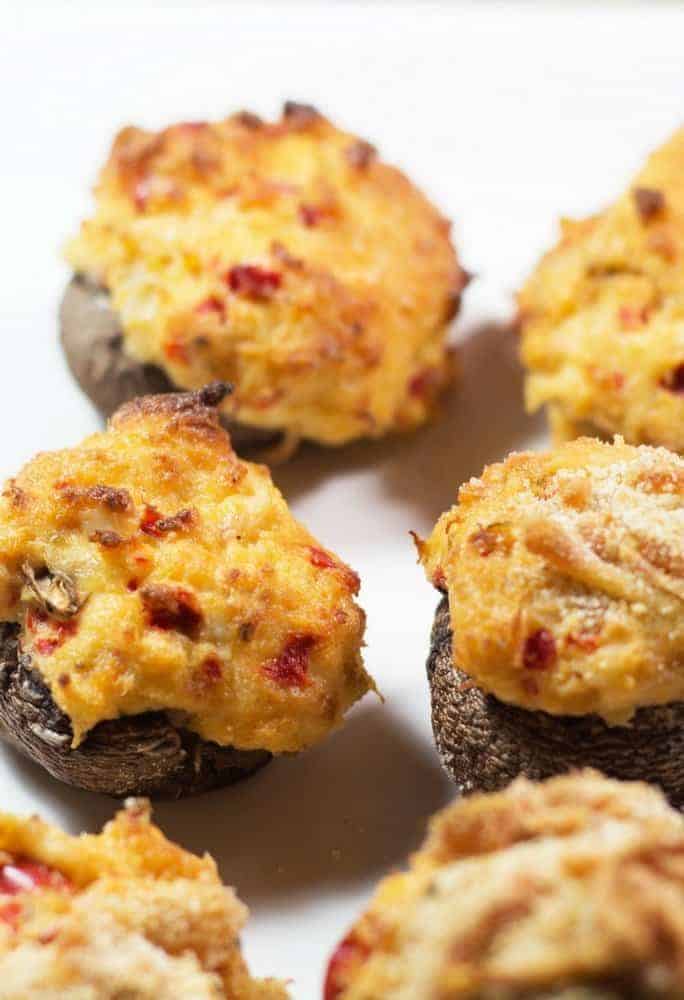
(602,317)
(541,890)
(565,578)
(149,568)
(283,257)
(136,916)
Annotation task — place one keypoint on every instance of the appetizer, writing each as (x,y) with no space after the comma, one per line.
(121,914)
(568,890)
(559,637)
(601,317)
(283,257)
(167,624)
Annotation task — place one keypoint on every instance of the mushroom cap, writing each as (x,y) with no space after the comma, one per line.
(484,743)
(146,754)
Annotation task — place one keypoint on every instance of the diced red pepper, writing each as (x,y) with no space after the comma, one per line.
(211,668)
(176,350)
(46,647)
(213,305)
(23,875)
(352,579)
(172,609)
(253,282)
(317,557)
(539,651)
(321,559)
(347,958)
(50,632)
(290,668)
(157,525)
(150,522)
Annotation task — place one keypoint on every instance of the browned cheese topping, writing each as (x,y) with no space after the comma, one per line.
(283,257)
(149,568)
(124,913)
(565,577)
(573,888)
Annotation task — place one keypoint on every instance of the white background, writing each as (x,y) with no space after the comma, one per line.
(508,115)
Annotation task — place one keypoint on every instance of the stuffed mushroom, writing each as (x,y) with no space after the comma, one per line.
(283,257)
(167,625)
(124,913)
(602,317)
(559,637)
(568,890)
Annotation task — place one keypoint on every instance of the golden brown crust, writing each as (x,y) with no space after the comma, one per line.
(602,317)
(193,588)
(196,408)
(564,577)
(523,893)
(124,912)
(285,258)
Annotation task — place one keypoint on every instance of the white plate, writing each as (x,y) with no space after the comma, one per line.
(508,115)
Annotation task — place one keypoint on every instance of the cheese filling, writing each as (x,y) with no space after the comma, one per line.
(284,258)
(565,578)
(150,569)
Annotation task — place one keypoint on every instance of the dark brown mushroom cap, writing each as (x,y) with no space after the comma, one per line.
(143,754)
(484,743)
(93,346)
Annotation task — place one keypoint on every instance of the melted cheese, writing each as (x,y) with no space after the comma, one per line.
(602,317)
(577,880)
(139,917)
(565,578)
(283,258)
(198,590)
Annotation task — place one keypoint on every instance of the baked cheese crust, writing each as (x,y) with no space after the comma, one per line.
(149,568)
(565,578)
(121,913)
(285,258)
(602,317)
(570,888)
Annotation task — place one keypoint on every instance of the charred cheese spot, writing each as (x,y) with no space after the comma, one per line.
(284,258)
(613,289)
(586,589)
(142,566)
(121,913)
(542,890)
